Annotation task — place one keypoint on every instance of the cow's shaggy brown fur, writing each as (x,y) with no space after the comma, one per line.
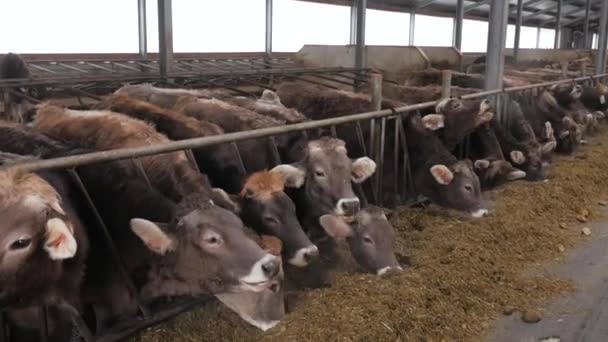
(105,130)
(263,185)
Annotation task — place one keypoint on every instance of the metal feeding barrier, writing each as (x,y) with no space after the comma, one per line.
(386,138)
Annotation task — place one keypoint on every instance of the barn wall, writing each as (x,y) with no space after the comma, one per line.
(387,58)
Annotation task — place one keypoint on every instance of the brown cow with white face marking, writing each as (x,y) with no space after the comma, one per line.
(264,206)
(43,240)
(186,249)
(43,246)
(438,175)
(370,237)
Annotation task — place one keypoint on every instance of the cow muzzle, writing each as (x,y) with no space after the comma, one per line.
(304,256)
(348,206)
(262,274)
(480,213)
(388,269)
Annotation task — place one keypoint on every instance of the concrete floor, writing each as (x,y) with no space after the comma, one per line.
(582,315)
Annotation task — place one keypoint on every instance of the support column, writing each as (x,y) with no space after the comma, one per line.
(586,39)
(558,24)
(600,57)
(538,37)
(458,20)
(353,23)
(360,34)
(142,29)
(412,26)
(165,36)
(497,27)
(518,22)
(268,28)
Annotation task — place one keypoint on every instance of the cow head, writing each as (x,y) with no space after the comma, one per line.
(456,186)
(568,135)
(493,172)
(370,237)
(204,250)
(263,309)
(265,207)
(36,236)
(324,177)
(565,94)
(458,118)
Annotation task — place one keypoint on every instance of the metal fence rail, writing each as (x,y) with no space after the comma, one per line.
(386,131)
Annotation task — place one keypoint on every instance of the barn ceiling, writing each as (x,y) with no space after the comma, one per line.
(536,12)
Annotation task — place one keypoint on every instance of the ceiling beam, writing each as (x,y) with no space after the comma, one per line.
(475,5)
(570,13)
(424,3)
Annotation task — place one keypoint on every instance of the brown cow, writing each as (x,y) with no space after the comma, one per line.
(171,173)
(438,175)
(370,237)
(44,246)
(456,118)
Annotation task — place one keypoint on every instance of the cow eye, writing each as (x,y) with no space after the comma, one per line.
(21,244)
(468,188)
(368,240)
(213,239)
(319,173)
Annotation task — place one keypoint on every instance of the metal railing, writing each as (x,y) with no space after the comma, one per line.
(386,138)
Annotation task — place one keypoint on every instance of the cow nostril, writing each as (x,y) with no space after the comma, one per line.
(311,254)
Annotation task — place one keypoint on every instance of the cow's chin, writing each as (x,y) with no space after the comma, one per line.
(271,285)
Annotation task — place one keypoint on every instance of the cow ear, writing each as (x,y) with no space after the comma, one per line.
(516,174)
(293,174)
(548,147)
(226,201)
(271,96)
(60,242)
(335,226)
(442,174)
(517,157)
(433,121)
(482,164)
(153,236)
(362,169)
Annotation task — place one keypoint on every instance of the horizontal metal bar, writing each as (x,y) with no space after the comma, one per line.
(125,153)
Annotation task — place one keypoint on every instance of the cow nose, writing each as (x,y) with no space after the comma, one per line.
(271,267)
(385,270)
(350,206)
(311,254)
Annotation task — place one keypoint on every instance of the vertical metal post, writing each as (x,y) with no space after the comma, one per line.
(564,68)
(353,24)
(600,57)
(446,83)
(142,26)
(558,25)
(457,43)
(360,33)
(497,28)
(586,30)
(375,82)
(268,28)
(412,27)
(538,37)
(518,22)
(165,36)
